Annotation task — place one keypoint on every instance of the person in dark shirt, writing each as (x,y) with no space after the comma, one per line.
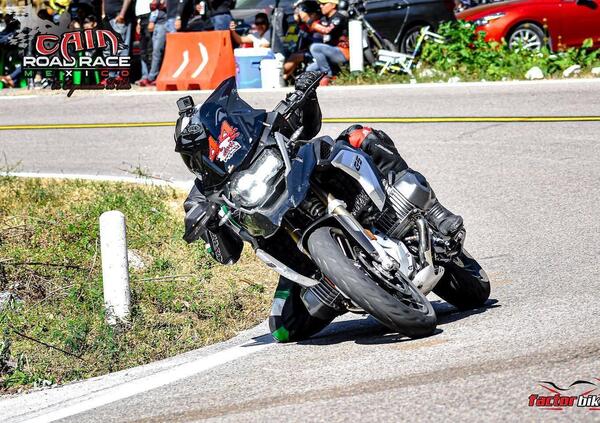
(334,50)
(200,21)
(120,15)
(178,13)
(220,13)
(305,36)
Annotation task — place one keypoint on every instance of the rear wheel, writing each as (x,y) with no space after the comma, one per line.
(371,52)
(409,40)
(465,284)
(403,309)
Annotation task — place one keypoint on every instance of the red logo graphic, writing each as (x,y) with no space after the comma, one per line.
(227,146)
(89,39)
(558,400)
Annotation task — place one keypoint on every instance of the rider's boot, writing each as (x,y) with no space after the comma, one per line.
(443,219)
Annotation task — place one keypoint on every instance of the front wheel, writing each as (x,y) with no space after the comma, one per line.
(528,36)
(405,310)
(465,284)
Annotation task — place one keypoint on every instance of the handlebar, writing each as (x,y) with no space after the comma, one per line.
(296,100)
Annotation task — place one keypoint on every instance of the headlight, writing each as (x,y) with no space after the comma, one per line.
(487,19)
(251,187)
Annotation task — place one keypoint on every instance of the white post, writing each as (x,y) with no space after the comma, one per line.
(355,33)
(115,272)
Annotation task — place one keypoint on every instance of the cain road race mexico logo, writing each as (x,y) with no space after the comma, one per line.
(72,58)
(581,394)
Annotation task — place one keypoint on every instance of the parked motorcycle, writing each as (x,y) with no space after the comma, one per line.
(319,213)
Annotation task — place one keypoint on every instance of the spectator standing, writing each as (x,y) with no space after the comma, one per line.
(179,13)
(199,21)
(142,11)
(334,50)
(220,13)
(175,14)
(157,25)
(259,37)
(120,16)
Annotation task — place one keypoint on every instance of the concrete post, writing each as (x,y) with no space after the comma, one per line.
(115,272)
(355,33)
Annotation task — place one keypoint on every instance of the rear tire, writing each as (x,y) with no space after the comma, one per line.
(414,321)
(371,53)
(465,286)
(409,40)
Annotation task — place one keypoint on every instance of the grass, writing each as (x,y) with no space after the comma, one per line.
(53,329)
(466,55)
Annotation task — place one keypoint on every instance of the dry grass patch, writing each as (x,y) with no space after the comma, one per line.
(52,330)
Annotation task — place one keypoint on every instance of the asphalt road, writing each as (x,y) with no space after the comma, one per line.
(529,193)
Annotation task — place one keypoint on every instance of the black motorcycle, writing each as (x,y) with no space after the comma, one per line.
(319,213)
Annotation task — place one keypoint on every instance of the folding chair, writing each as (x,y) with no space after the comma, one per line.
(396,62)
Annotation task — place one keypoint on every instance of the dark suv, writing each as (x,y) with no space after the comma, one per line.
(397,20)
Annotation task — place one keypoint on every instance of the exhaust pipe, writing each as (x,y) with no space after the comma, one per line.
(428,276)
(284,270)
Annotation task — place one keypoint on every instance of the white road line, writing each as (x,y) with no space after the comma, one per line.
(186,185)
(17,97)
(145,384)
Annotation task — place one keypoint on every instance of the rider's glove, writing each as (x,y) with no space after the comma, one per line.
(199,218)
(306,79)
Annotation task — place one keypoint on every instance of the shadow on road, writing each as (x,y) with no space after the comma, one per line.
(368,331)
(447,313)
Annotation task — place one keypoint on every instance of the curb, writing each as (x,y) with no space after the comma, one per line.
(180,185)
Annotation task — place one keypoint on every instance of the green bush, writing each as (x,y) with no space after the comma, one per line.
(465,54)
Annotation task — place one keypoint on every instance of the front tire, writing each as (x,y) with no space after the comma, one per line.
(465,284)
(411,315)
(528,36)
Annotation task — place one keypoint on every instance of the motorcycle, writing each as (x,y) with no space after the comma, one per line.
(319,213)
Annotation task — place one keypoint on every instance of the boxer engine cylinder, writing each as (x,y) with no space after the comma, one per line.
(409,193)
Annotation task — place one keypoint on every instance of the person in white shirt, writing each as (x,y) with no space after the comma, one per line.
(260,37)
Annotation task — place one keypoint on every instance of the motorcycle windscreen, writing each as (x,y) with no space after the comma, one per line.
(233,128)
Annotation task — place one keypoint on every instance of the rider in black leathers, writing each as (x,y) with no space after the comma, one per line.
(289,319)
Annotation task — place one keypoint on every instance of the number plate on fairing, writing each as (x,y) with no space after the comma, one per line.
(356,164)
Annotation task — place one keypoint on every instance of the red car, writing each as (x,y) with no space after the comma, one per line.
(534,23)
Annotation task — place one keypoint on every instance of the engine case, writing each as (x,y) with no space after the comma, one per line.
(410,191)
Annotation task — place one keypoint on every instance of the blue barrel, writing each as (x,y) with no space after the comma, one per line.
(247,66)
